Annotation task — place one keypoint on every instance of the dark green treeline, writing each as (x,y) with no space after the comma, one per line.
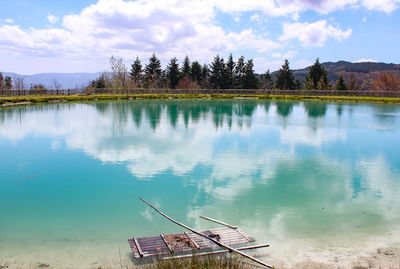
(219,74)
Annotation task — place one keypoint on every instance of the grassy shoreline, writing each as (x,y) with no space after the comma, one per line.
(35,99)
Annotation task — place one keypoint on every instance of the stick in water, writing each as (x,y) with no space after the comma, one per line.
(209,238)
(219,222)
(25,178)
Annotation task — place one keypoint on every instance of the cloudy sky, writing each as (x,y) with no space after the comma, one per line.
(80,36)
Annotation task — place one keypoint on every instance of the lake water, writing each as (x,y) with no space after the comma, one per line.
(313,179)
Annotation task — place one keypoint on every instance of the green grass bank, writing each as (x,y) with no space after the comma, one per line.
(33,99)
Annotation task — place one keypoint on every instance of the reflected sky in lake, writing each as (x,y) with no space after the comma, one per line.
(314,171)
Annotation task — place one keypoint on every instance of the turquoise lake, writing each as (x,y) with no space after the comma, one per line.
(323,176)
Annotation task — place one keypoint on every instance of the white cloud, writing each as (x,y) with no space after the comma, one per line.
(290,54)
(302,63)
(294,7)
(115,27)
(313,34)
(171,28)
(276,55)
(52,19)
(366,60)
(9,20)
(296,16)
(387,6)
(364,20)
(255,17)
(262,64)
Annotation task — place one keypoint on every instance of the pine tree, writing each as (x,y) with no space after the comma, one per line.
(341,85)
(217,69)
(317,75)
(205,77)
(186,67)
(267,82)
(153,72)
(297,85)
(136,72)
(323,85)
(99,83)
(230,72)
(173,73)
(284,78)
(164,82)
(239,73)
(2,86)
(8,82)
(250,81)
(195,72)
(309,85)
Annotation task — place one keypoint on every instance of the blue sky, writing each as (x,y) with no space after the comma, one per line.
(80,36)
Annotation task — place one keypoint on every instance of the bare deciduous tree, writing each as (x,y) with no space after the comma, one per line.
(56,85)
(19,83)
(119,73)
(386,82)
(354,83)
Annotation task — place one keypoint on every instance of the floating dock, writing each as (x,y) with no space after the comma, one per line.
(187,242)
(224,238)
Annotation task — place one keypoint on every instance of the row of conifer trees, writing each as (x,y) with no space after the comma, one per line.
(219,74)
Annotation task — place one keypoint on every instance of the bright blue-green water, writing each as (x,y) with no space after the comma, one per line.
(309,173)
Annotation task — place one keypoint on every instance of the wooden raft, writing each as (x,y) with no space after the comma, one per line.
(186,242)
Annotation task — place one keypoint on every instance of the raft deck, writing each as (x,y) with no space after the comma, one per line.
(186,242)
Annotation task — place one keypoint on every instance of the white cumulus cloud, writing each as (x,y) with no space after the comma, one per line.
(52,19)
(255,17)
(313,34)
(387,6)
(116,27)
(172,28)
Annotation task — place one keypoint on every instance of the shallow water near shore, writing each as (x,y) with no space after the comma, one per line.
(313,179)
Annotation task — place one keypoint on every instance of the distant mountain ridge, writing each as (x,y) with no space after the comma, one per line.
(345,68)
(66,80)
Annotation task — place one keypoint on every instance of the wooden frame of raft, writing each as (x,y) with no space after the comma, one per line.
(208,235)
(186,242)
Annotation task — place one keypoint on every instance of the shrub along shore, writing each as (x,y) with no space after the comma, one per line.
(34,99)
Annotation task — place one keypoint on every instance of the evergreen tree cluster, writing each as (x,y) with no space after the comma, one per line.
(5,82)
(221,74)
(218,74)
(225,74)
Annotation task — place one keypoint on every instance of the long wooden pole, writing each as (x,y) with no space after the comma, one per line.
(209,238)
(219,222)
(214,252)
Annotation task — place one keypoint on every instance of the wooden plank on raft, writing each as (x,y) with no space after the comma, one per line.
(156,245)
(192,241)
(244,235)
(171,249)
(214,252)
(209,238)
(219,222)
(138,247)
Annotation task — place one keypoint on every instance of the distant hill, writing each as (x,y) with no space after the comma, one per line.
(66,80)
(360,71)
(363,72)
